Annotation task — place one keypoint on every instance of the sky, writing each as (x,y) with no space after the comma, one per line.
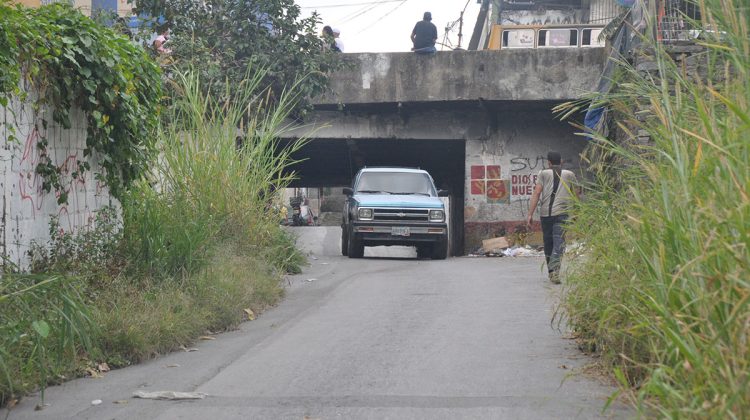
(385,25)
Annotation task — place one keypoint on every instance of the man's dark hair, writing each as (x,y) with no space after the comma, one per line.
(554,158)
(427,16)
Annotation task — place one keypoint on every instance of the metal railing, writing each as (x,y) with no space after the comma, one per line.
(677,20)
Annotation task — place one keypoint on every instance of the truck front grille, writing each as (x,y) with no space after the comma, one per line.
(405,215)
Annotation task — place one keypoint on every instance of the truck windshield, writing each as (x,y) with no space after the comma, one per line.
(395,183)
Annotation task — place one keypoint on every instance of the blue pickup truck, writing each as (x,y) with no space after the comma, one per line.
(394,206)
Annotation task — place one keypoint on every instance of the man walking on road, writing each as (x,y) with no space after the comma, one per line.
(424,35)
(556,187)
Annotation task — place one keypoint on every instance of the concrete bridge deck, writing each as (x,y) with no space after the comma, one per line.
(479,121)
(506,75)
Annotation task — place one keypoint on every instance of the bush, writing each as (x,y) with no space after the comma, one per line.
(662,290)
(196,252)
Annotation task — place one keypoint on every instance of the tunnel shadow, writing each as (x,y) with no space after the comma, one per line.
(334,162)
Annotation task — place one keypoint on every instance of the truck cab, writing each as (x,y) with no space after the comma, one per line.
(394,206)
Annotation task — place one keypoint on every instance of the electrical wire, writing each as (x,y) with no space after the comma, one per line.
(382,17)
(356,14)
(332,6)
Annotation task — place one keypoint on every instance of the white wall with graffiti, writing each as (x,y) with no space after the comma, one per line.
(26,210)
(501,169)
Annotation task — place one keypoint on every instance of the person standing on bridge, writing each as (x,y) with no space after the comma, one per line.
(337,42)
(424,35)
(329,39)
(554,191)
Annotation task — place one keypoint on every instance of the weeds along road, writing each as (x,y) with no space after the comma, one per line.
(374,338)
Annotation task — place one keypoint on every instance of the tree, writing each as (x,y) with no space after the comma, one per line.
(220,39)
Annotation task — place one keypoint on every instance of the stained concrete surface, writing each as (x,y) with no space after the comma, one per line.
(387,336)
(499,75)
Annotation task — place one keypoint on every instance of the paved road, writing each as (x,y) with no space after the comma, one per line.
(379,338)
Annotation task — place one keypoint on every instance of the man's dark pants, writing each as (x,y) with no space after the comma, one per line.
(553,231)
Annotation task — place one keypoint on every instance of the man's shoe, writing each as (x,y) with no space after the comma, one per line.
(554,277)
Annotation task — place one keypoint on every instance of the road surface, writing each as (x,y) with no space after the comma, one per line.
(384,337)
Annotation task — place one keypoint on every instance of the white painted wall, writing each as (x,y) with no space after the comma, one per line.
(515,153)
(25,210)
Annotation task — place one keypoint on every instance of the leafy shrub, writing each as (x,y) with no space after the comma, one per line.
(72,60)
(88,251)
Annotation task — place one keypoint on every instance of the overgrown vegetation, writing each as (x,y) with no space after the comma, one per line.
(196,253)
(220,39)
(663,288)
(212,180)
(69,60)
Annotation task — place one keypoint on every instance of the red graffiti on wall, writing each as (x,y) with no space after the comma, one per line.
(28,183)
(72,214)
(486,180)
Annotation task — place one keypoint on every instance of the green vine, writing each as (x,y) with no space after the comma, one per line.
(73,62)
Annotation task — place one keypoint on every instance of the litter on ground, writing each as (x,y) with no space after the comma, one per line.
(169,395)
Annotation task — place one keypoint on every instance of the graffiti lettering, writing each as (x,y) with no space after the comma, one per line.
(523,185)
(527,164)
(73,215)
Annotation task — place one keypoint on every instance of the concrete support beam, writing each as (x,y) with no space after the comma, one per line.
(505,75)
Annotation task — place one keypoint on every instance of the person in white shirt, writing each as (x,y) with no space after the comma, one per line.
(555,190)
(160,40)
(337,39)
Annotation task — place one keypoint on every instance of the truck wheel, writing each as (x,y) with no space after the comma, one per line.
(344,241)
(440,249)
(355,247)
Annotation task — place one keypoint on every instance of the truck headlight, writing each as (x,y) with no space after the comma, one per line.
(437,215)
(364,214)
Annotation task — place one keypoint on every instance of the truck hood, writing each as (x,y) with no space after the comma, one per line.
(400,201)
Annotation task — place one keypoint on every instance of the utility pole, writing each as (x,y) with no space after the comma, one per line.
(460,28)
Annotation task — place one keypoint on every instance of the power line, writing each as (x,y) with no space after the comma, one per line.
(383,17)
(332,6)
(357,14)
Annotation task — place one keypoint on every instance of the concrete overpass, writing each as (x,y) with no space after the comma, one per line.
(479,121)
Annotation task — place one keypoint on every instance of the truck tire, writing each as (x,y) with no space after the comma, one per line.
(440,249)
(355,249)
(344,241)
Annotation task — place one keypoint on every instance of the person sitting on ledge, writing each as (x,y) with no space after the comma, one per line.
(424,35)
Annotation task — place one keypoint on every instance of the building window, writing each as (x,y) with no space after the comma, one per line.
(558,38)
(518,38)
(590,37)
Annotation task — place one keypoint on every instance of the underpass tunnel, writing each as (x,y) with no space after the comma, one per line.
(334,162)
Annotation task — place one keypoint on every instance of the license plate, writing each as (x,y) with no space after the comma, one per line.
(400,231)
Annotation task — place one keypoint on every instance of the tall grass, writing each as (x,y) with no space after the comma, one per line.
(43,323)
(220,166)
(197,250)
(663,287)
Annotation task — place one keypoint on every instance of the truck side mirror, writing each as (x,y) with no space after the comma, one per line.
(348,191)
(444,193)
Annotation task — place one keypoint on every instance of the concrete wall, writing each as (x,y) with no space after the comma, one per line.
(529,75)
(26,210)
(501,171)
